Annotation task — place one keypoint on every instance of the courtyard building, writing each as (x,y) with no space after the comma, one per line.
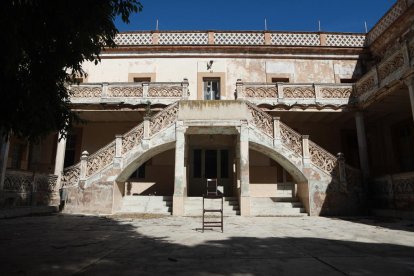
(289,123)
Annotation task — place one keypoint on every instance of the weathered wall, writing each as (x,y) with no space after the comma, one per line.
(299,69)
(97,134)
(159,177)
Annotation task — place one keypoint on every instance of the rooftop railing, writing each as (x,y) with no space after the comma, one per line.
(241,38)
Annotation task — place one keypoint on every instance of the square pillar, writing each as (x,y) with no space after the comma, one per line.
(410,84)
(362,144)
(244,170)
(180,180)
(60,158)
(4,153)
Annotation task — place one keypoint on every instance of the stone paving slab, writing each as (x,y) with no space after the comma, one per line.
(65,244)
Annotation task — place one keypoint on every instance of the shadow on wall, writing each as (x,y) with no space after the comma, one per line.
(343,196)
(101,246)
(25,188)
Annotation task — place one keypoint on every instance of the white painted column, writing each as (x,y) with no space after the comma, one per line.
(410,84)
(4,153)
(244,170)
(60,155)
(180,180)
(362,144)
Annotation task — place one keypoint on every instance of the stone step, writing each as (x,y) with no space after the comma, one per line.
(147,204)
(193,206)
(276,206)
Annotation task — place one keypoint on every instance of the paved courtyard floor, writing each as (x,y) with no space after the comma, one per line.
(90,245)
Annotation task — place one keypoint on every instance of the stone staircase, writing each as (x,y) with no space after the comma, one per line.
(193,206)
(147,204)
(277,207)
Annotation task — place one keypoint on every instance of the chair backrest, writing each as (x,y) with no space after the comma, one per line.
(212,186)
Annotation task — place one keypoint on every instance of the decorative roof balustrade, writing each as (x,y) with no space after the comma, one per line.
(389,18)
(312,39)
(129,92)
(296,93)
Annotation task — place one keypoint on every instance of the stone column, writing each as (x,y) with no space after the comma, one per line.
(180,180)
(4,153)
(362,144)
(60,156)
(410,84)
(305,151)
(244,170)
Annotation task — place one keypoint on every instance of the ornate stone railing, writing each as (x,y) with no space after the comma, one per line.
(28,188)
(261,120)
(129,92)
(394,191)
(321,158)
(300,145)
(389,18)
(310,39)
(288,93)
(70,175)
(104,157)
(291,138)
(100,159)
(163,119)
(384,74)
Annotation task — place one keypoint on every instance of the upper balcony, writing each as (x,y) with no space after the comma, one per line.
(129,93)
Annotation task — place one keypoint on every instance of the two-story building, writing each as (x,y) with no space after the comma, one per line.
(289,123)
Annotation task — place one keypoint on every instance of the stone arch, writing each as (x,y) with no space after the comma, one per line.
(294,170)
(139,157)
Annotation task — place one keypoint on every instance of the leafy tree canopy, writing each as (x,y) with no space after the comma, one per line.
(44,44)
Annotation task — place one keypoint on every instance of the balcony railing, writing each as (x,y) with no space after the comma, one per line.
(132,93)
(295,93)
(385,74)
(313,39)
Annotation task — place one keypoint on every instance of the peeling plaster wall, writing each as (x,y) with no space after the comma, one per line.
(168,69)
(159,177)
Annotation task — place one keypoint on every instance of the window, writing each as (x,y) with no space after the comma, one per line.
(142,79)
(347,80)
(140,172)
(70,149)
(211,88)
(280,80)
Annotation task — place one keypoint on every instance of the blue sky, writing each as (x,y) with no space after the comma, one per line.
(281,15)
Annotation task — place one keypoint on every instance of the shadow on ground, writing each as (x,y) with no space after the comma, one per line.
(87,245)
(382,222)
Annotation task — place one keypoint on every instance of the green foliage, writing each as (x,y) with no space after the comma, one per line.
(44,44)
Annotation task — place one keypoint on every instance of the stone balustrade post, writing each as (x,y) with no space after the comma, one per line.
(267,38)
(155,37)
(145,89)
(322,39)
(118,145)
(83,165)
(185,84)
(277,138)
(210,37)
(406,53)
(239,90)
(317,89)
(305,151)
(104,90)
(147,130)
(118,151)
(280,95)
(376,76)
